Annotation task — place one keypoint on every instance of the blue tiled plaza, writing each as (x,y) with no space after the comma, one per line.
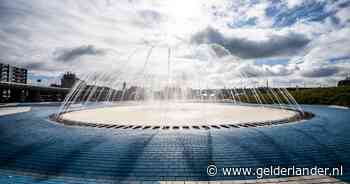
(36,150)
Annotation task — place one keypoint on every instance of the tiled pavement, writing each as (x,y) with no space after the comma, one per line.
(288,180)
(34,150)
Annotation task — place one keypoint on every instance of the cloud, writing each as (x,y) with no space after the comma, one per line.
(74,53)
(35,66)
(326,47)
(275,45)
(50,37)
(148,18)
(293,3)
(343,15)
(207,52)
(320,72)
(252,70)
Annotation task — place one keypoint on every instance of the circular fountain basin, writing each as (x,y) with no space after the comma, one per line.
(179,114)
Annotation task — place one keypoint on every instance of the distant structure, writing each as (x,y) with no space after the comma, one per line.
(14,87)
(55,85)
(68,80)
(10,73)
(345,82)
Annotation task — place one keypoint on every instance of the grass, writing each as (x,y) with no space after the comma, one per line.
(326,96)
(323,96)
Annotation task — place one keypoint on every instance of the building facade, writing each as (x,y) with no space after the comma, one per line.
(10,73)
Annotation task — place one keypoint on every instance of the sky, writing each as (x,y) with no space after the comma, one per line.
(220,42)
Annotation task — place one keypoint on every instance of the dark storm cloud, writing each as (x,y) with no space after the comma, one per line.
(40,66)
(276,45)
(219,50)
(321,72)
(8,10)
(74,53)
(35,66)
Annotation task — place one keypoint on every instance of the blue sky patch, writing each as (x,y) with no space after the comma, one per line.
(271,61)
(340,59)
(308,11)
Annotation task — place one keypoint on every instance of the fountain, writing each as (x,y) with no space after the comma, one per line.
(172,93)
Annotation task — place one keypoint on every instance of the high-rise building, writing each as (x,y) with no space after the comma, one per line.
(10,73)
(68,80)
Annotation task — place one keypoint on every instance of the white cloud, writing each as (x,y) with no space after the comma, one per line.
(344,16)
(328,46)
(32,32)
(293,3)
